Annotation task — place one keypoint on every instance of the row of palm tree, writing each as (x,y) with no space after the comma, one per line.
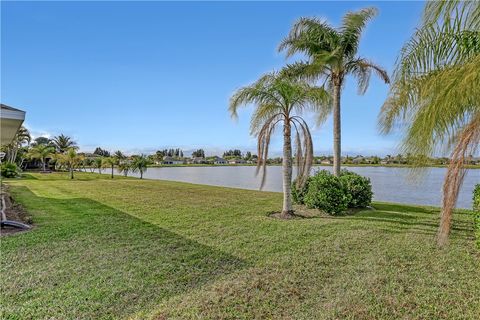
(313,85)
(434,98)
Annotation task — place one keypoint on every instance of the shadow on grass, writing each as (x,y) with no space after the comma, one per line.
(86,260)
(402,218)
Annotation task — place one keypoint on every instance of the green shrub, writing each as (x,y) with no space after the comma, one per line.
(326,192)
(358,187)
(9,170)
(298,194)
(476,212)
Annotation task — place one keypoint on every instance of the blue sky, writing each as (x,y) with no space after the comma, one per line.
(142,76)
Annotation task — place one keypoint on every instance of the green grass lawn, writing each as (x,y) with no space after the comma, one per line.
(129,248)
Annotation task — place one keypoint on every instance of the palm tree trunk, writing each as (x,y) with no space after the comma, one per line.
(141,174)
(43,162)
(337,139)
(112,171)
(71,172)
(287,171)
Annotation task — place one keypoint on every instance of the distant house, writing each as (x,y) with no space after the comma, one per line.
(218,160)
(237,161)
(384,162)
(199,160)
(170,160)
(359,160)
(326,161)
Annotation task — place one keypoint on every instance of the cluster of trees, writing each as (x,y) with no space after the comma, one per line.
(237,154)
(178,153)
(199,153)
(443,53)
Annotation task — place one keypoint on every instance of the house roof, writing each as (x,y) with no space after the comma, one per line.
(11,119)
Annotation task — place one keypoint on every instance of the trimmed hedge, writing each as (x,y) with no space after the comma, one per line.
(476,212)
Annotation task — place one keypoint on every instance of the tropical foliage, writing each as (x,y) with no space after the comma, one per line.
(63,143)
(21,138)
(109,162)
(140,164)
(41,152)
(435,96)
(332,56)
(70,160)
(279,98)
(9,170)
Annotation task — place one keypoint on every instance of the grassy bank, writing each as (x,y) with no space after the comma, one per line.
(129,248)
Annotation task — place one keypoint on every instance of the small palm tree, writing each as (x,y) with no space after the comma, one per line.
(435,96)
(98,163)
(140,164)
(41,152)
(109,162)
(70,159)
(281,99)
(63,143)
(124,167)
(332,55)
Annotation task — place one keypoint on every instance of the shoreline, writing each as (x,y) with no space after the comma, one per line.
(469,166)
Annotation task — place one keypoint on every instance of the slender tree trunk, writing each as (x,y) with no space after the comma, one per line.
(141,174)
(112,171)
(337,139)
(43,162)
(287,170)
(71,172)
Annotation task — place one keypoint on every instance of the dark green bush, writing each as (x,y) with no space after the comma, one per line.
(326,192)
(298,194)
(9,170)
(476,212)
(358,187)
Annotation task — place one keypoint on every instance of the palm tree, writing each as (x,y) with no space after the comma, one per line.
(41,152)
(140,164)
(332,56)
(124,167)
(21,137)
(98,163)
(435,96)
(109,162)
(70,159)
(63,143)
(279,98)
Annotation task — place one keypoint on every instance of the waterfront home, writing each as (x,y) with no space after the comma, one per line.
(218,160)
(198,160)
(326,161)
(170,160)
(11,120)
(237,161)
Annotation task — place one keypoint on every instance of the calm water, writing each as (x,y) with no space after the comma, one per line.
(389,184)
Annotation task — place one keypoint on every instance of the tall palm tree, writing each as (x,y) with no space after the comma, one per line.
(435,96)
(281,99)
(63,143)
(41,152)
(70,159)
(140,164)
(332,56)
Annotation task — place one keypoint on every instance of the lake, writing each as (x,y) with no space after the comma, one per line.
(389,184)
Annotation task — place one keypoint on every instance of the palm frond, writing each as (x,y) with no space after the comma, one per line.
(352,27)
